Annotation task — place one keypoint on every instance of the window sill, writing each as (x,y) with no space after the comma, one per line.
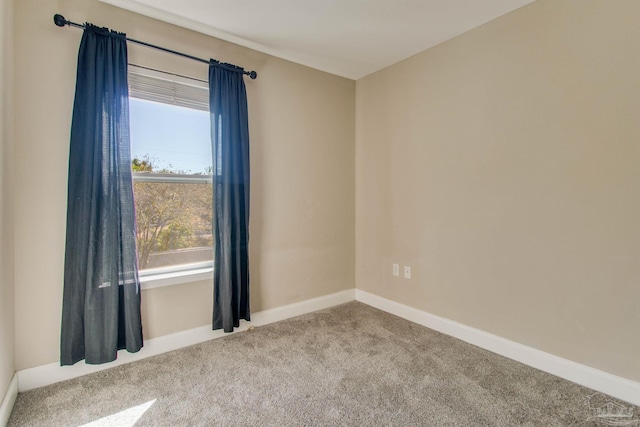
(175,278)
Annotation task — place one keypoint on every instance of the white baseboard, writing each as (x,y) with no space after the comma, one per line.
(8,400)
(303,307)
(595,379)
(41,376)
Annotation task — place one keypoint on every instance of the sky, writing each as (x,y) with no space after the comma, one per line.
(173,137)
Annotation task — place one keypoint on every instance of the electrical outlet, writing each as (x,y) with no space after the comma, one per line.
(396,270)
(407,272)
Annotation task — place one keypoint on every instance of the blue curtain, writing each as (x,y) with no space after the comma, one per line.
(101,301)
(230,149)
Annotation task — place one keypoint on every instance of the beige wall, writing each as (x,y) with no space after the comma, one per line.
(7,366)
(303,179)
(504,167)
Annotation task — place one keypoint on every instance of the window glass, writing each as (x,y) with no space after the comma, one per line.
(171,164)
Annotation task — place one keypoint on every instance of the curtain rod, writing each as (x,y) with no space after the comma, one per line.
(60,21)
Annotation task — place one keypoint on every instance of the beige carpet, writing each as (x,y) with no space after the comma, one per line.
(348,365)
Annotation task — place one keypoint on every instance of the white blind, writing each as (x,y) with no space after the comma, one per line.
(168,91)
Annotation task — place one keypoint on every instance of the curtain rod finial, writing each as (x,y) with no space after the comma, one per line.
(59,20)
(253,75)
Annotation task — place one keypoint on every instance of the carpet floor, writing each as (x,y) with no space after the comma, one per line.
(347,365)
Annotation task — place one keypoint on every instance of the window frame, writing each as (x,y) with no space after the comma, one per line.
(182,273)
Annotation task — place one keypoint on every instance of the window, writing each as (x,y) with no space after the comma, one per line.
(171,165)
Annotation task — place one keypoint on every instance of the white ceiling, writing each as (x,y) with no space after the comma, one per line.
(350,38)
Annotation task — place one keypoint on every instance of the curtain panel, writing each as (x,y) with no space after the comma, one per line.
(101,299)
(230,150)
